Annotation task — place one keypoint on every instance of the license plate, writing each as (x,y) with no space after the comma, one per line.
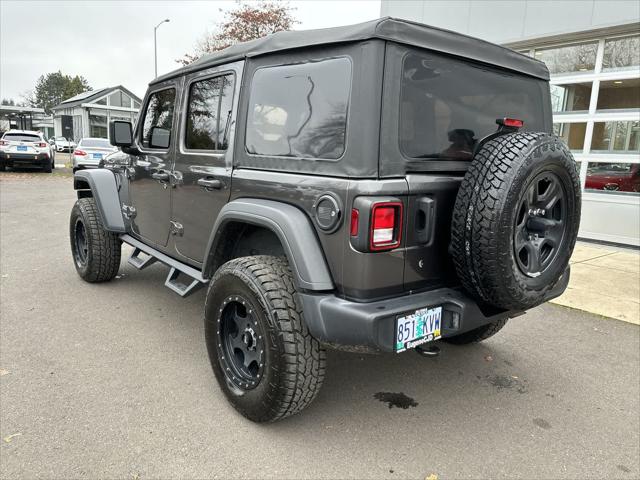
(97,156)
(417,328)
(22,148)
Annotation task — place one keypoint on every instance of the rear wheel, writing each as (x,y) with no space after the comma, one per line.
(96,252)
(48,167)
(262,354)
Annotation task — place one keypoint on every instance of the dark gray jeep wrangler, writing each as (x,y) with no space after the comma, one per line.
(369,188)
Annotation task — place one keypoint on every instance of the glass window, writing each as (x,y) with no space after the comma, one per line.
(569,59)
(120,99)
(621,53)
(102,101)
(98,126)
(616,137)
(21,137)
(300,110)
(570,98)
(446,105)
(613,177)
(209,113)
(619,94)
(571,133)
(94,143)
(136,104)
(159,116)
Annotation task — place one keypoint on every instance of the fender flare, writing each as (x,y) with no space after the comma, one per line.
(104,190)
(293,229)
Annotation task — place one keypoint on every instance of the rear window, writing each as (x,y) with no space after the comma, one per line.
(95,143)
(21,137)
(448,105)
(300,110)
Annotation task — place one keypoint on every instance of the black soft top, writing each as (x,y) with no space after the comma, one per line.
(387,28)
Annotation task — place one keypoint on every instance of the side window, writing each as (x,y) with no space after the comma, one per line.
(158,119)
(209,113)
(300,110)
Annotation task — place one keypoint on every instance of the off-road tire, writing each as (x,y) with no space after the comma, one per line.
(478,334)
(487,209)
(103,248)
(294,362)
(48,167)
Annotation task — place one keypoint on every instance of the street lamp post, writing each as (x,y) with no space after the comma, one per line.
(155,45)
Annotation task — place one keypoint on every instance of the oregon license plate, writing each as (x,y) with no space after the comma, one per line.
(417,328)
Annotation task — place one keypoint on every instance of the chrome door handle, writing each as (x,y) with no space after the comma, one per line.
(209,183)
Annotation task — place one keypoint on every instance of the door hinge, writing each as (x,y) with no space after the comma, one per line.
(176,228)
(128,211)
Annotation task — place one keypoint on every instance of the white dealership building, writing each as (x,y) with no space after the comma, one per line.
(592,50)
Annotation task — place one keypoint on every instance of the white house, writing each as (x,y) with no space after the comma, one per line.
(89,113)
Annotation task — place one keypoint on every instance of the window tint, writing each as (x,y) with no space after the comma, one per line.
(448,105)
(300,110)
(159,115)
(21,137)
(209,114)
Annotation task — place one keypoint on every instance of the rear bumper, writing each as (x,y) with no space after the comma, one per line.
(369,327)
(9,159)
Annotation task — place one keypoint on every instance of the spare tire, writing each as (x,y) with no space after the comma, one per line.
(516,219)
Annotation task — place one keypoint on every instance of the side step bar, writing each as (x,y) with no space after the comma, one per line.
(178,269)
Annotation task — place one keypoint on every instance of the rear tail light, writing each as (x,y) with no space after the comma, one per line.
(79,152)
(386,226)
(4,143)
(41,145)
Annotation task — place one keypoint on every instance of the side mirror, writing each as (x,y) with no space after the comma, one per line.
(121,133)
(160,137)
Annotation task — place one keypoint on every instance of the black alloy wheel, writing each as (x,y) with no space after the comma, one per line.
(241,343)
(540,224)
(81,245)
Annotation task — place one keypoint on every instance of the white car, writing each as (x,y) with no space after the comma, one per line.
(90,151)
(64,145)
(25,147)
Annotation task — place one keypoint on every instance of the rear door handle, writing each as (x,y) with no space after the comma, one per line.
(160,176)
(210,183)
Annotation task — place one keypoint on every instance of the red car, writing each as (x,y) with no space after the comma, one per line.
(621,177)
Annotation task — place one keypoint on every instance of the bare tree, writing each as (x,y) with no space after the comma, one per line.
(247,21)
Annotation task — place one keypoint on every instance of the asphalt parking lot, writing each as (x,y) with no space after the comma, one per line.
(113,381)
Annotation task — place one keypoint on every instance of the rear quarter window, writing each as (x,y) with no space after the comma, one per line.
(20,137)
(447,105)
(300,110)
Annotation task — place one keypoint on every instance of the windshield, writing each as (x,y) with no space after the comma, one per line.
(21,137)
(448,105)
(95,142)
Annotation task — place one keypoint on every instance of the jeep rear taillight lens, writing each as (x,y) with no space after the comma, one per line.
(79,152)
(386,226)
(512,122)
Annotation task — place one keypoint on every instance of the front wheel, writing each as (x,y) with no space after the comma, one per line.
(96,252)
(263,356)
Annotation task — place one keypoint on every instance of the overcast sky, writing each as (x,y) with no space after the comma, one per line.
(111,42)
